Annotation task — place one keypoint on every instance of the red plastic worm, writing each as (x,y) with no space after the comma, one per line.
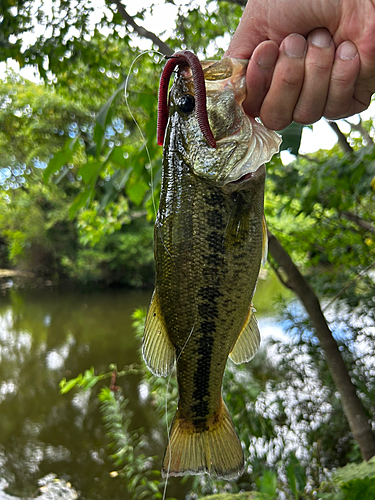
(184,57)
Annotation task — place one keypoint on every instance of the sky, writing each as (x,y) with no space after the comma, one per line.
(163,16)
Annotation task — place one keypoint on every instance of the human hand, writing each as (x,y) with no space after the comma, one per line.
(290,78)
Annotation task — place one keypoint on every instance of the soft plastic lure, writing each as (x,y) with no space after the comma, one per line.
(184,57)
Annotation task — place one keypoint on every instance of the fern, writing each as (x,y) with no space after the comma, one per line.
(128,447)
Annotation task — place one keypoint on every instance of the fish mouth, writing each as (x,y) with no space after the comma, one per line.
(249,176)
(244,178)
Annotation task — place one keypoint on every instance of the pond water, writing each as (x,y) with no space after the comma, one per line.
(48,335)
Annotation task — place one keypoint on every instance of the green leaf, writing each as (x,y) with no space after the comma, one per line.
(268,483)
(79,201)
(61,158)
(292,138)
(136,190)
(88,383)
(66,386)
(90,171)
(117,156)
(117,18)
(122,178)
(98,139)
(296,476)
(105,113)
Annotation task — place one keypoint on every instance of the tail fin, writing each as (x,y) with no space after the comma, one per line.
(216,450)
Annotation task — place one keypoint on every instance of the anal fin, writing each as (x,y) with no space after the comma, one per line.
(158,351)
(248,341)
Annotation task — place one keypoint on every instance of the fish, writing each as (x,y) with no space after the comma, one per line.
(210,239)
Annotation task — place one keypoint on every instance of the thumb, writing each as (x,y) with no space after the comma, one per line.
(245,39)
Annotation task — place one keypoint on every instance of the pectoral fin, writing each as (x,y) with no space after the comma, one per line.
(158,351)
(264,242)
(248,340)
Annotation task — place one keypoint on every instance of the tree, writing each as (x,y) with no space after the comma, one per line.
(37,233)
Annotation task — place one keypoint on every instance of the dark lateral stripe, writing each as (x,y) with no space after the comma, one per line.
(202,375)
(208,310)
(208,297)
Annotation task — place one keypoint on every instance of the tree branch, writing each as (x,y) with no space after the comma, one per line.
(345,146)
(163,47)
(352,406)
(362,130)
(367,226)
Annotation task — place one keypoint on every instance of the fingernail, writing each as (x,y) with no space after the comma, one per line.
(267,60)
(321,38)
(295,45)
(347,50)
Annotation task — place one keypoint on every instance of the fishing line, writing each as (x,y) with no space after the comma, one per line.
(136,122)
(348,285)
(154,206)
(166,414)
(229,217)
(162,240)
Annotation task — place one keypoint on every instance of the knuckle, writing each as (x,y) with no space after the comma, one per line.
(291,80)
(275,122)
(319,66)
(306,117)
(335,111)
(339,80)
(331,115)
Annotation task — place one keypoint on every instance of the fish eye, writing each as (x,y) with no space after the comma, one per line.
(186,103)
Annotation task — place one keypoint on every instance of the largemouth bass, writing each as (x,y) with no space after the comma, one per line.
(209,240)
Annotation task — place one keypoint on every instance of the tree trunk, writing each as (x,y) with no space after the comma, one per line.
(352,406)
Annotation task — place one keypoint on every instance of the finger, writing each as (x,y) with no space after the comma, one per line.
(278,105)
(259,75)
(341,102)
(318,66)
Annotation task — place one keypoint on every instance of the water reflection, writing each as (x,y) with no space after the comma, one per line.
(45,336)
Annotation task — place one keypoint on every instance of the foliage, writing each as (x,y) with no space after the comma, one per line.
(330,199)
(123,256)
(251,495)
(103,167)
(111,243)
(130,448)
(35,227)
(77,57)
(352,482)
